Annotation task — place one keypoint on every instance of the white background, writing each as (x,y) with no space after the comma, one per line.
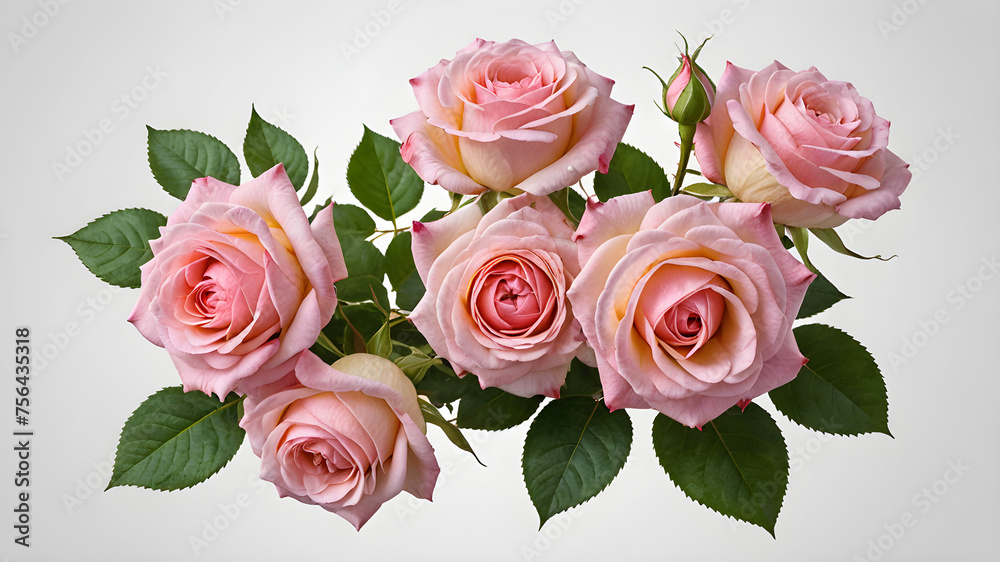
(930,67)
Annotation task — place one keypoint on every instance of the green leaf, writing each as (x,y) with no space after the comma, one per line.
(631,171)
(380,344)
(352,221)
(326,349)
(571,203)
(402,272)
(433,416)
(177,439)
(409,292)
(179,157)
(353,325)
(493,409)
(380,179)
(441,385)
(708,190)
(582,380)
(737,465)
(840,390)
(800,238)
(365,263)
(830,237)
(266,146)
(416,365)
(115,245)
(405,333)
(820,296)
(433,215)
(361,258)
(313,182)
(573,450)
(361,288)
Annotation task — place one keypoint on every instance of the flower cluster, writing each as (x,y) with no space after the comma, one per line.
(683,303)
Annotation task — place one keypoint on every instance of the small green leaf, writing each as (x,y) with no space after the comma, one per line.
(433,416)
(353,325)
(493,409)
(326,349)
(177,439)
(737,464)
(313,182)
(830,237)
(179,157)
(708,190)
(266,146)
(416,364)
(442,386)
(571,203)
(380,344)
(820,296)
(840,390)
(631,171)
(380,179)
(115,245)
(582,380)
(432,215)
(402,272)
(573,450)
(800,238)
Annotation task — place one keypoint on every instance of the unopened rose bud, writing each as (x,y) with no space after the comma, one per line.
(689,94)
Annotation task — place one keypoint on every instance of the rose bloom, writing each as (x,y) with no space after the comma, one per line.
(813,148)
(688,305)
(496,302)
(239,283)
(346,437)
(511,117)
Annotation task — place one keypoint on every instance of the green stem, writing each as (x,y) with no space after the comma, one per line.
(687,143)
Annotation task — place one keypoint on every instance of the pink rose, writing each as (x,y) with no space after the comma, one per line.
(346,437)
(811,147)
(239,283)
(688,305)
(511,117)
(496,300)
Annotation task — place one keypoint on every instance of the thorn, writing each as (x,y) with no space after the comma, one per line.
(743,403)
(698,427)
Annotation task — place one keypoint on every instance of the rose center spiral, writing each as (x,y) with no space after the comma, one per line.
(512,296)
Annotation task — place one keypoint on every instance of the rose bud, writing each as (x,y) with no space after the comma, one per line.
(688,101)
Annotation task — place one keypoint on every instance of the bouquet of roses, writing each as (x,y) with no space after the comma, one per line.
(527,293)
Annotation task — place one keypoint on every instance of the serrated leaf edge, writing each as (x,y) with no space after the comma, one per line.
(68,237)
(149,155)
(884,388)
(542,521)
(781,499)
(499,396)
(112,484)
